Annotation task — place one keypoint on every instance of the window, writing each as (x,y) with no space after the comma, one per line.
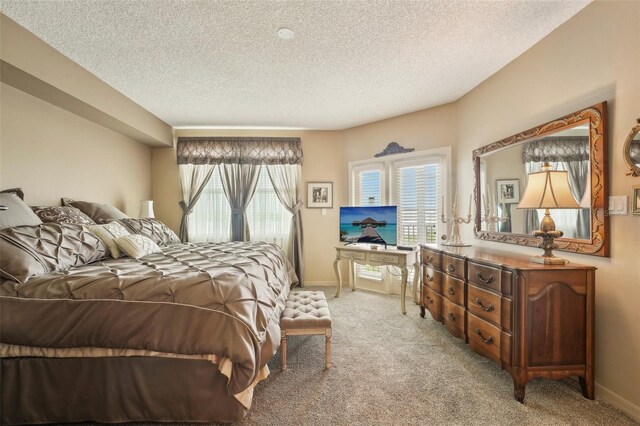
(211,216)
(268,219)
(367,191)
(417,189)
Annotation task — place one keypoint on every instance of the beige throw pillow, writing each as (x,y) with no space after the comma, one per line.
(137,246)
(108,234)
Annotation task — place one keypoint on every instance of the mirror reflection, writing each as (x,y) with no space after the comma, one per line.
(503,178)
(634,150)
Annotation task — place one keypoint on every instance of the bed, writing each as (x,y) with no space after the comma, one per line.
(180,335)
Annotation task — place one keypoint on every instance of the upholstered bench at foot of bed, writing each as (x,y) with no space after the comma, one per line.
(306,313)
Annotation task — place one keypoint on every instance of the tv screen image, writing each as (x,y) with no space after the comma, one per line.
(370,225)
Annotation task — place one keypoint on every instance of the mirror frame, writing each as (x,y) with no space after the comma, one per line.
(635,170)
(598,245)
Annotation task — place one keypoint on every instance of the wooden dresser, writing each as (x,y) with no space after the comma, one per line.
(534,320)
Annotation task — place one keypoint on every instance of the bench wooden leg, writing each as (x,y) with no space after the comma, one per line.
(283,348)
(327,348)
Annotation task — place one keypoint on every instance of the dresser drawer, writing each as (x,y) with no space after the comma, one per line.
(453,266)
(484,338)
(453,289)
(432,279)
(484,304)
(384,258)
(356,255)
(431,257)
(432,302)
(453,317)
(484,276)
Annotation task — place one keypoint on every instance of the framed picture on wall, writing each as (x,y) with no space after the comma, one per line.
(508,191)
(320,195)
(635,200)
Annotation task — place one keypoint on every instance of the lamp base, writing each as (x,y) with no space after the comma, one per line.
(548,260)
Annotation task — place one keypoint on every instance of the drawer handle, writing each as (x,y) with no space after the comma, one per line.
(451,291)
(430,301)
(430,279)
(451,316)
(484,308)
(484,280)
(451,268)
(479,333)
(428,258)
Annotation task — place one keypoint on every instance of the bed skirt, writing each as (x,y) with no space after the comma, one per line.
(114,389)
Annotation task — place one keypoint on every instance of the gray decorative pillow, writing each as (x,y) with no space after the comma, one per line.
(17,213)
(64,214)
(159,233)
(28,251)
(100,213)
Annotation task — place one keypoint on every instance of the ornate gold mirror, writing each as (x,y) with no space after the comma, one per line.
(576,143)
(632,150)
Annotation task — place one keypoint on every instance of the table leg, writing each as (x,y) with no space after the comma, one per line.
(352,268)
(403,293)
(336,267)
(416,283)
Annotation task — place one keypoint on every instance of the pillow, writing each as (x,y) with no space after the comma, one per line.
(137,246)
(28,251)
(152,228)
(17,213)
(100,213)
(108,234)
(64,214)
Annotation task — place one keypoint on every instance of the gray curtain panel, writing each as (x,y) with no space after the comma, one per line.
(193,179)
(239,182)
(286,182)
(578,173)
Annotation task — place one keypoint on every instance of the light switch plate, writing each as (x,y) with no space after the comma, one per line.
(618,205)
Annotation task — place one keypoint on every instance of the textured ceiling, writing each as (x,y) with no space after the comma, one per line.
(220,63)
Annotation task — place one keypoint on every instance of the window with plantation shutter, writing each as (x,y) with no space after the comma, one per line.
(416,193)
(367,191)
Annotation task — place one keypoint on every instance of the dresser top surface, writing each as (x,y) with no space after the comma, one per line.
(500,258)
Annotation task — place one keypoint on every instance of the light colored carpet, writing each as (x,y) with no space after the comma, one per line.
(392,369)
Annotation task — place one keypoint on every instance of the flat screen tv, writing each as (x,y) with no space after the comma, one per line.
(369,225)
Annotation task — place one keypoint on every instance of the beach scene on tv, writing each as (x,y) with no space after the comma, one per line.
(370,225)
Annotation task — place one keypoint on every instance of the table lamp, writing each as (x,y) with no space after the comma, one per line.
(548,189)
(146,209)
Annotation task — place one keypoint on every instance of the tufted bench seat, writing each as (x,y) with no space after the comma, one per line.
(306,313)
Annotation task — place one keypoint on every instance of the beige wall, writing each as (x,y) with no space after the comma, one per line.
(595,56)
(52,153)
(33,66)
(323,161)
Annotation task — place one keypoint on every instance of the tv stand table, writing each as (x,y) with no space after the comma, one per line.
(381,257)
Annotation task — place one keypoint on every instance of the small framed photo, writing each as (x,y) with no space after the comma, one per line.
(508,191)
(320,195)
(635,200)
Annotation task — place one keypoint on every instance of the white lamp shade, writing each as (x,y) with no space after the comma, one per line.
(146,209)
(548,189)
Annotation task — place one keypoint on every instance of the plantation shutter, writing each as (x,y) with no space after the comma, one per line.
(368,191)
(417,190)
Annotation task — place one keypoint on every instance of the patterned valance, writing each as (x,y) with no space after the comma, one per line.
(236,150)
(556,149)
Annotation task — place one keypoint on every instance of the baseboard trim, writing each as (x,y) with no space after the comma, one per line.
(617,401)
